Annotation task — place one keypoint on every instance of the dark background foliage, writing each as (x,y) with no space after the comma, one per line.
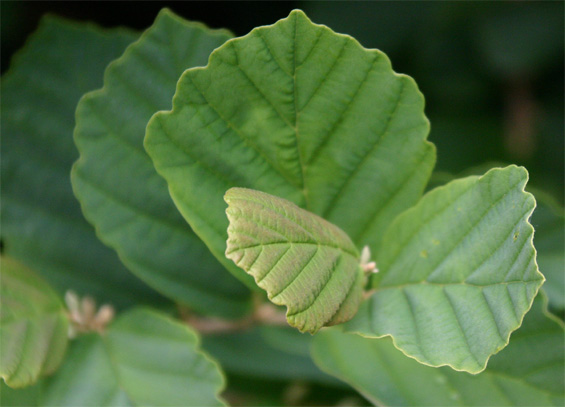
(492,72)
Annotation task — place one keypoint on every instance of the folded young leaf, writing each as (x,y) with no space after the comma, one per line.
(33,326)
(117,185)
(300,112)
(144,359)
(300,259)
(457,272)
(529,372)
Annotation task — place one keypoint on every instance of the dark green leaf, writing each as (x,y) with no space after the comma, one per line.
(42,224)
(116,183)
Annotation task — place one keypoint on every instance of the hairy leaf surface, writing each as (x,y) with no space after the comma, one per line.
(144,359)
(457,272)
(33,326)
(529,372)
(42,224)
(300,259)
(300,112)
(117,185)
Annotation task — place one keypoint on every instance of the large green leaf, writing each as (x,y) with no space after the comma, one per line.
(116,183)
(300,259)
(529,372)
(457,272)
(144,358)
(300,112)
(33,326)
(42,224)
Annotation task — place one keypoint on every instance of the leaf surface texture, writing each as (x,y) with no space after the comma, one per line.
(300,259)
(117,185)
(300,112)
(457,272)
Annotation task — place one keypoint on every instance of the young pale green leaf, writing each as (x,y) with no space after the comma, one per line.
(300,112)
(457,272)
(143,359)
(529,372)
(42,224)
(114,179)
(300,259)
(33,326)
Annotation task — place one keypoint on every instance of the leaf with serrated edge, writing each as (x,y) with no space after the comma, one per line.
(300,112)
(33,326)
(42,224)
(300,259)
(526,373)
(457,272)
(114,179)
(144,358)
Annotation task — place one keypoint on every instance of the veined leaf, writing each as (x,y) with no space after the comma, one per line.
(144,358)
(117,185)
(300,259)
(300,112)
(33,326)
(529,372)
(457,272)
(42,224)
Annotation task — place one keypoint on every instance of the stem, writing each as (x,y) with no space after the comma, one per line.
(263,314)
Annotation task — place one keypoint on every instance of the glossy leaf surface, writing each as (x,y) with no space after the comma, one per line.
(33,326)
(529,372)
(300,259)
(300,112)
(144,358)
(42,224)
(116,183)
(457,272)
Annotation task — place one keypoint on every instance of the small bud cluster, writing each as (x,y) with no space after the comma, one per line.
(368,266)
(83,315)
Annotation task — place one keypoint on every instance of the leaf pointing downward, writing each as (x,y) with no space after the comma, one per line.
(300,259)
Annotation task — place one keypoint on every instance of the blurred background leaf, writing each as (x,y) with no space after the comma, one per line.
(42,224)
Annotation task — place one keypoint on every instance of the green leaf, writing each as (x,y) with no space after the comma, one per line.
(275,353)
(116,183)
(528,372)
(144,358)
(42,224)
(33,326)
(300,112)
(549,222)
(457,272)
(300,259)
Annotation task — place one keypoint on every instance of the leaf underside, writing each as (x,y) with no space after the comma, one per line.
(528,372)
(300,259)
(120,192)
(457,272)
(300,112)
(33,326)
